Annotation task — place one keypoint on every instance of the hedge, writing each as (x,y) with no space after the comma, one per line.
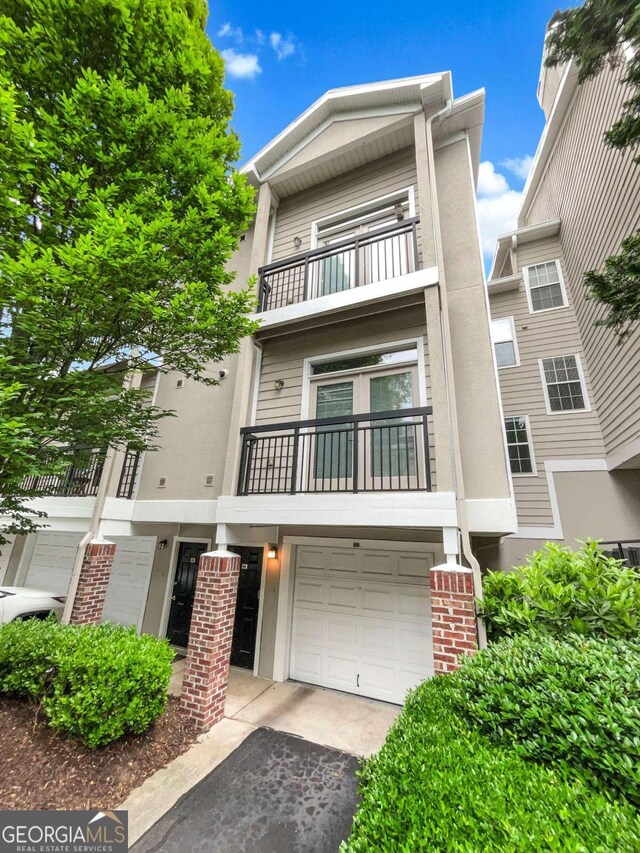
(96,683)
(562,591)
(575,699)
(439,785)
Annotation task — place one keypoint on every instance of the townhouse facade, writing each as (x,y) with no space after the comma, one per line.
(570,392)
(353,449)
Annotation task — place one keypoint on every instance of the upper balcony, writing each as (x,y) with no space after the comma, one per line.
(366,268)
(81,478)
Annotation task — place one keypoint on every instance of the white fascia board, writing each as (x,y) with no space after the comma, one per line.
(196,512)
(502,285)
(528,234)
(64,507)
(336,95)
(492,515)
(621,458)
(118,509)
(365,295)
(380,509)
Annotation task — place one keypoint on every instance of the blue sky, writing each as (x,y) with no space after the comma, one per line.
(282,56)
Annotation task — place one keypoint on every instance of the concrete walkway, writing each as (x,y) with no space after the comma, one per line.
(349,724)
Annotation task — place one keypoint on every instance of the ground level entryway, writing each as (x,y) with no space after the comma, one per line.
(274,793)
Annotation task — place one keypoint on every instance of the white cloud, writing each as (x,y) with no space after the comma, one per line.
(520,166)
(227,31)
(498,206)
(259,36)
(282,46)
(243,65)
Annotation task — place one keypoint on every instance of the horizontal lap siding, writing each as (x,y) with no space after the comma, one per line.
(595,191)
(296,213)
(567,436)
(284,359)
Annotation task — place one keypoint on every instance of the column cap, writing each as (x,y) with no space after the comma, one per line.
(220,553)
(454,568)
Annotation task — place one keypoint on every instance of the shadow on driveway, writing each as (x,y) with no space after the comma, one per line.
(276,793)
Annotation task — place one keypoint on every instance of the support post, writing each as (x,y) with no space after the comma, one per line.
(93,581)
(453,623)
(206,674)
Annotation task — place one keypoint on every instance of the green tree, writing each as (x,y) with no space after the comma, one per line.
(597,33)
(119,210)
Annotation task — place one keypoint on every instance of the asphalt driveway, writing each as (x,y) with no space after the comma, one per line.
(276,793)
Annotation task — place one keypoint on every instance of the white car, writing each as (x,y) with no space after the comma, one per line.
(19,602)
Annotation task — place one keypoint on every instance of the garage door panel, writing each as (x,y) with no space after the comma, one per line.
(309,591)
(52,560)
(126,596)
(308,627)
(340,633)
(341,671)
(377,564)
(308,665)
(342,595)
(414,565)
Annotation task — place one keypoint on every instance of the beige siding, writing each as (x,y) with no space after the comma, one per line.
(595,191)
(283,359)
(559,436)
(296,213)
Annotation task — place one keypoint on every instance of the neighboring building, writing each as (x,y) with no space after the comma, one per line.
(356,442)
(570,393)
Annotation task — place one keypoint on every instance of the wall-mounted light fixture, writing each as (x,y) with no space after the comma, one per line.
(162,544)
(272,552)
(278,384)
(297,242)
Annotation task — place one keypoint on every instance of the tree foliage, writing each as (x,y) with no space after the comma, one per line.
(119,210)
(598,33)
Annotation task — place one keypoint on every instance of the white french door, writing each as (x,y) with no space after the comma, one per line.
(388,448)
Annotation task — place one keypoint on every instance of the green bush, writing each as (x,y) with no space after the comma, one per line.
(575,699)
(562,591)
(439,785)
(95,682)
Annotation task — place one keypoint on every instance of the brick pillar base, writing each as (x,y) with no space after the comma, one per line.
(204,687)
(453,616)
(92,583)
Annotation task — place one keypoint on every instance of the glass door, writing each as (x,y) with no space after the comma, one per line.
(391,444)
(331,446)
(337,271)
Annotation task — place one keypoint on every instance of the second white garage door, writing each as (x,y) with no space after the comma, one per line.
(362,619)
(129,581)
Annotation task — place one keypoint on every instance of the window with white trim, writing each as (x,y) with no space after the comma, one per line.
(565,388)
(519,445)
(545,287)
(503,335)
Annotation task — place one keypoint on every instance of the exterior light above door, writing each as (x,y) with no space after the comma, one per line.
(272,552)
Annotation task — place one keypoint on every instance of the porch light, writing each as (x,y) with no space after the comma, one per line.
(272,552)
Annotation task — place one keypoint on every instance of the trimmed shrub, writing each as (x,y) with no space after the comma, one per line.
(575,700)
(563,591)
(96,683)
(438,784)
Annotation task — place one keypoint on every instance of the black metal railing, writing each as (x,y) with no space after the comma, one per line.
(373,452)
(128,474)
(377,256)
(80,478)
(625,549)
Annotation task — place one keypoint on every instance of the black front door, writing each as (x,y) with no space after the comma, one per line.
(245,628)
(184,588)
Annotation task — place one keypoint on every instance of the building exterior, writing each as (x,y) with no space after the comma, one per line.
(570,393)
(354,445)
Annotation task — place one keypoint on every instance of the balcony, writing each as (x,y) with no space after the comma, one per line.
(79,479)
(374,452)
(378,256)
(128,474)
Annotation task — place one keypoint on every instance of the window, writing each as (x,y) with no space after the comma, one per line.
(545,288)
(503,335)
(519,445)
(564,385)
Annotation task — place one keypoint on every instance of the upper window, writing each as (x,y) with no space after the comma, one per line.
(519,445)
(545,288)
(503,335)
(373,359)
(564,385)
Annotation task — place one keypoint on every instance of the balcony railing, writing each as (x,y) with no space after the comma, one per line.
(627,550)
(374,452)
(80,479)
(377,256)
(128,474)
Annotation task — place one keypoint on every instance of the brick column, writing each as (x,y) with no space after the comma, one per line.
(90,593)
(453,616)
(204,687)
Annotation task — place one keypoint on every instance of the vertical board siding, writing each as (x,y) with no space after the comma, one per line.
(283,359)
(575,435)
(296,213)
(595,191)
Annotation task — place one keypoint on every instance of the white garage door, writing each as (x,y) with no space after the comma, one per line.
(52,561)
(5,556)
(362,619)
(129,580)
